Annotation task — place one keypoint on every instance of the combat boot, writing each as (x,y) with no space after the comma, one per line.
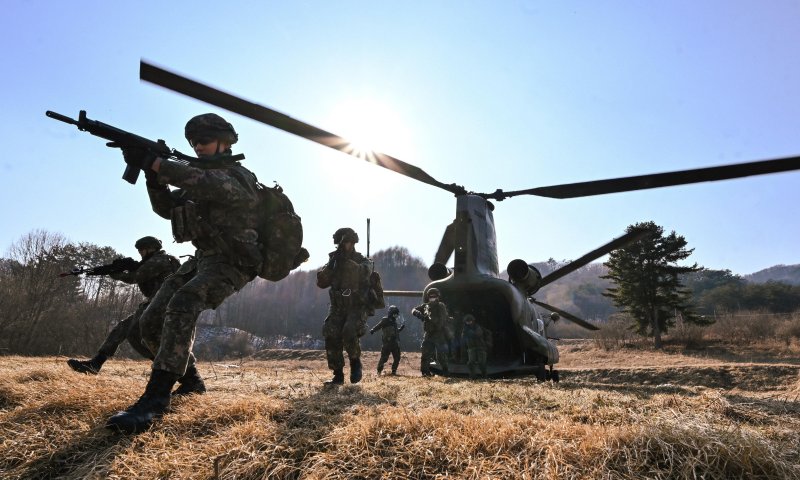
(380,368)
(151,405)
(91,366)
(190,383)
(394,371)
(355,370)
(338,378)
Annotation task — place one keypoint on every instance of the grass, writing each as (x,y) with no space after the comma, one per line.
(643,415)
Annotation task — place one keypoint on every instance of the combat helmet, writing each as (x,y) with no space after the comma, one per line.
(345,234)
(210,125)
(148,242)
(433,292)
(393,310)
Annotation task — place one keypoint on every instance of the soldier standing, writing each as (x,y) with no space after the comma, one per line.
(215,207)
(434,318)
(391,338)
(347,274)
(154,268)
(477,341)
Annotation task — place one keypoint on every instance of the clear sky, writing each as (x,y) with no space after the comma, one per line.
(487,94)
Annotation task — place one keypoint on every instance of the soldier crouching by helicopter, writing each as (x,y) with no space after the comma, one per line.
(155,267)
(433,314)
(347,274)
(391,338)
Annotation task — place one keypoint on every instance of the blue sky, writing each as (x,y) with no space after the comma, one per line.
(489,95)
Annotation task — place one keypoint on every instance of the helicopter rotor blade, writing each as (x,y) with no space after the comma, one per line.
(178,83)
(567,315)
(619,242)
(656,180)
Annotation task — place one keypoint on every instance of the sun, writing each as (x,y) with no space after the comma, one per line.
(371,126)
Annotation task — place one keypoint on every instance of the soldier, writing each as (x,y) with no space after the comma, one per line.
(214,207)
(434,318)
(477,340)
(156,266)
(391,338)
(347,274)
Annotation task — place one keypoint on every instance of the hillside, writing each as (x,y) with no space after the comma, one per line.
(623,414)
(780,273)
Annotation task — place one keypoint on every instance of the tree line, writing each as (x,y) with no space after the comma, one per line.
(44,314)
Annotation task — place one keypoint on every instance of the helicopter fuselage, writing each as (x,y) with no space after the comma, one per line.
(519,340)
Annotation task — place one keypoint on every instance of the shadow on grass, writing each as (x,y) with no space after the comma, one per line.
(301,429)
(88,455)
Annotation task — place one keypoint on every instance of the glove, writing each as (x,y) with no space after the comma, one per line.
(151,176)
(417,314)
(371,331)
(136,156)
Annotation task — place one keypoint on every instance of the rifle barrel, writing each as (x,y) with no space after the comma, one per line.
(62,118)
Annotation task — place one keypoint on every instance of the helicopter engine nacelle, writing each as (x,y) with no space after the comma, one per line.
(438,271)
(524,276)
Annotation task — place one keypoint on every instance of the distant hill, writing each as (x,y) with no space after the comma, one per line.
(780,273)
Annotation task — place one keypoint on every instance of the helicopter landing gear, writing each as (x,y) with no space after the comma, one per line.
(541,373)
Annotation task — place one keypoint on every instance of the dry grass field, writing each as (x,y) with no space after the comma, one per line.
(630,413)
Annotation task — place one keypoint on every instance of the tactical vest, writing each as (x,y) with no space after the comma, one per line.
(150,286)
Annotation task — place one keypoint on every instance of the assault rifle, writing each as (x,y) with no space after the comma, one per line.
(121,139)
(117,266)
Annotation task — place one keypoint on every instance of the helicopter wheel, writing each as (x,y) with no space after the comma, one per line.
(541,373)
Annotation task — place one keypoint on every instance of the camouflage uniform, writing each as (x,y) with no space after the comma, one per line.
(149,277)
(347,276)
(216,207)
(434,340)
(477,340)
(227,257)
(152,319)
(391,340)
(154,268)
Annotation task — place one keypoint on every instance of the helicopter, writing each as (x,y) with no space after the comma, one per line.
(473,285)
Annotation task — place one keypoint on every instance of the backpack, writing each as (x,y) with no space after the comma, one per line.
(376,299)
(280,233)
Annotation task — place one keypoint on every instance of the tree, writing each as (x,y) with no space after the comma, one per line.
(44,314)
(647,281)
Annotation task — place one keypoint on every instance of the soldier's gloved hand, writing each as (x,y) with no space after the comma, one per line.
(417,314)
(371,331)
(135,156)
(152,177)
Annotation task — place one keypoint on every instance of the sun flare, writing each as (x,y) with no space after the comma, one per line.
(371,127)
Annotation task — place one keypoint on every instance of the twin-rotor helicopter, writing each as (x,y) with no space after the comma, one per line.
(472,284)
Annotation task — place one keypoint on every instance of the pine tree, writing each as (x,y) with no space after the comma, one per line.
(647,281)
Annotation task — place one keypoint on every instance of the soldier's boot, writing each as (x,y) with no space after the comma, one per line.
(355,370)
(151,405)
(190,383)
(394,371)
(338,378)
(91,366)
(380,368)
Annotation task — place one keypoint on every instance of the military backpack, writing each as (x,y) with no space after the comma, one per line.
(280,234)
